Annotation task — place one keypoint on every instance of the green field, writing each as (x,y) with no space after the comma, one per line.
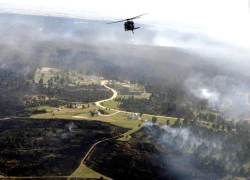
(84,171)
(205,112)
(138,91)
(119,119)
(143,95)
(160,119)
(73,76)
(111,104)
(127,134)
(47,75)
(48,108)
(133,88)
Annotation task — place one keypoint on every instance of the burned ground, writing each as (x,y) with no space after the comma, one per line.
(32,147)
(144,156)
(136,159)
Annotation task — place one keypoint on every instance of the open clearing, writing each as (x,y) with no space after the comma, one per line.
(84,171)
(119,119)
(46,73)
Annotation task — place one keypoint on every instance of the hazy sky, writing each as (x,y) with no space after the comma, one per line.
(227,20)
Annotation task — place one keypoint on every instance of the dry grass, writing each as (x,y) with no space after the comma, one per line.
(85,172)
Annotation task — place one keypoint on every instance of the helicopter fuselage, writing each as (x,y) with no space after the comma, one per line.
(129,26)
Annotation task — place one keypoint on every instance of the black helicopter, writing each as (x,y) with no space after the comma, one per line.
(129,24)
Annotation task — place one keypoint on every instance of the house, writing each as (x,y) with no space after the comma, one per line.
(134,116)
(126,82)
(28,101)
(44,97)
(94,112)
(234,130)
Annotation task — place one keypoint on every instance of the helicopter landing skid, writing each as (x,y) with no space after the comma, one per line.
(135,29)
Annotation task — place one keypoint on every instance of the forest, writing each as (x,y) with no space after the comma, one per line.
(222,149)
(163,72)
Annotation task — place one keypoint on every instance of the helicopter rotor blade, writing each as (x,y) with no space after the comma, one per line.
(133,18)
(136,17)
(117,21)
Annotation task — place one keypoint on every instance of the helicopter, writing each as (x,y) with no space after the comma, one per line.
(129,24)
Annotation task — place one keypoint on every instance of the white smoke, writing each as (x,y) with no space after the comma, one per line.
(162,41)
(222,92)
(184,134)
(185,140)
(70,126)
(212,97)
(135,41)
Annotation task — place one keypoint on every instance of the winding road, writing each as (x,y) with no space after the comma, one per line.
(98,103)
